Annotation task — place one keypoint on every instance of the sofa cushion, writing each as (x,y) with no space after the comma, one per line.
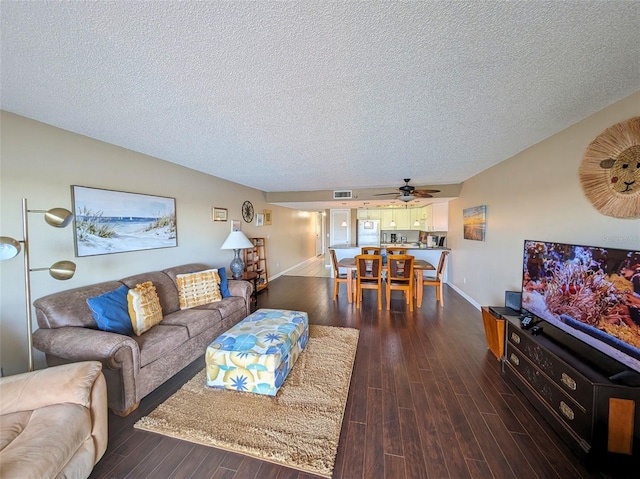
(111,311)
(70,308)
(144,307)
(39,450)
(195,320)
(160,341)
(195,289)
(227,306)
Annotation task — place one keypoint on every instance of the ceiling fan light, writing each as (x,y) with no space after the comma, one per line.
(406,198)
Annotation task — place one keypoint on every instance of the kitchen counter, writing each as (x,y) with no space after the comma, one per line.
(432,255)
(409,246)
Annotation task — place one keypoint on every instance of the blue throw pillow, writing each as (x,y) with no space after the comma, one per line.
(111,311)
(224,285)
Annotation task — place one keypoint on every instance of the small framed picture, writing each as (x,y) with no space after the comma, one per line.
(267,217)
(219,214)
(235,225)
(259,219)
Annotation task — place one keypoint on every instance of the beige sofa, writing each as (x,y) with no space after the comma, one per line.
(136,365)
(53,422)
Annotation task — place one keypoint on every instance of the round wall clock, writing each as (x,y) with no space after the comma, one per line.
(247,211)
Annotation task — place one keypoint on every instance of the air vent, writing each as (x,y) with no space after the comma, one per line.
(342,195)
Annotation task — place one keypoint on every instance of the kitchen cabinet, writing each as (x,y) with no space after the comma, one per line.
(401,217)
(385,220)
(440,216)
(437,217)
(368,214)
(417,214)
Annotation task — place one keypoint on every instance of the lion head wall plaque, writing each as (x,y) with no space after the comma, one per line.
(610,170)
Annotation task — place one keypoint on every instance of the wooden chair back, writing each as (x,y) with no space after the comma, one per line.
(370,250)
(396,250)
(368,276)
(436,281)
(337,276)
(400,267)
(400,277)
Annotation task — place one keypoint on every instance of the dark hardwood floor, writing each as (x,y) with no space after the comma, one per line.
(426,401)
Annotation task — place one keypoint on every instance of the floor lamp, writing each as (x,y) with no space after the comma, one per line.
(9,248)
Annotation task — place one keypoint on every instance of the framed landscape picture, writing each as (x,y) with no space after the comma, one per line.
(219,214)
(108,221)
(475,223)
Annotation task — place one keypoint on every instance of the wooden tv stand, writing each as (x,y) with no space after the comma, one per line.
(567,381)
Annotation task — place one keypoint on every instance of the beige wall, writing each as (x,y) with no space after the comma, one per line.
(40,162)
(534,195)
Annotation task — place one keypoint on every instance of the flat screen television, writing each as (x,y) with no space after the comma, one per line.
(591,293)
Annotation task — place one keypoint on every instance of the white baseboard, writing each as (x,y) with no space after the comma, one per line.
(271,278)
(466,296)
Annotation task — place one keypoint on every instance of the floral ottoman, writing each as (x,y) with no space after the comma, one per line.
(257,353)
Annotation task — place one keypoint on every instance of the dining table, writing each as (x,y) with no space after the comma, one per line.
(349,263)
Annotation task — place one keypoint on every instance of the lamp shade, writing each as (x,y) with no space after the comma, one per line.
(236,240)
(62,270)
(58,217)
(9,248)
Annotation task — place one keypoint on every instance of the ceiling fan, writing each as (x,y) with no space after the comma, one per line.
(408,192)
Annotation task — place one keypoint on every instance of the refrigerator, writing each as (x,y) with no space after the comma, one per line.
(368,233)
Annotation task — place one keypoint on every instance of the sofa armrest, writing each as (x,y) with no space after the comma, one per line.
(76,383)
(69,383)
(114,351)
(241,288)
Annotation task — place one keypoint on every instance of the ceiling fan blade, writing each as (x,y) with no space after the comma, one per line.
(423,194)
(384,194)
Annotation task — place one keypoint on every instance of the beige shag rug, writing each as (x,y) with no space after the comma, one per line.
(298,428)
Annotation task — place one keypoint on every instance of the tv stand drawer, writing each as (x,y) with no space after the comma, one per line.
(574,384)
(572,414)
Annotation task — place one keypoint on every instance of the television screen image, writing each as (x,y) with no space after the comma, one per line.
(592,293)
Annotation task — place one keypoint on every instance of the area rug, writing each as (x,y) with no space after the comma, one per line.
(297,428)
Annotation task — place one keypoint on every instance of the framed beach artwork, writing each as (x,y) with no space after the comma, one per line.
(475,223)
(236,225)
(108,221)
(259,219)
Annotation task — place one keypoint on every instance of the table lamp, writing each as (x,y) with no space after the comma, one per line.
(236,241)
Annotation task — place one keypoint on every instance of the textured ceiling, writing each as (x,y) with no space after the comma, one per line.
(293,96)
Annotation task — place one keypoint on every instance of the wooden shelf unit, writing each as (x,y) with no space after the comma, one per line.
(255,261)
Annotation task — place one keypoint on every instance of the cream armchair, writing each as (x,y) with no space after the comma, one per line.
(53,422)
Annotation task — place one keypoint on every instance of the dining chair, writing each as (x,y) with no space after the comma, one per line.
(396,250)
(368,278)
(338,277)
(433,280)
(400,277)
(370,250)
